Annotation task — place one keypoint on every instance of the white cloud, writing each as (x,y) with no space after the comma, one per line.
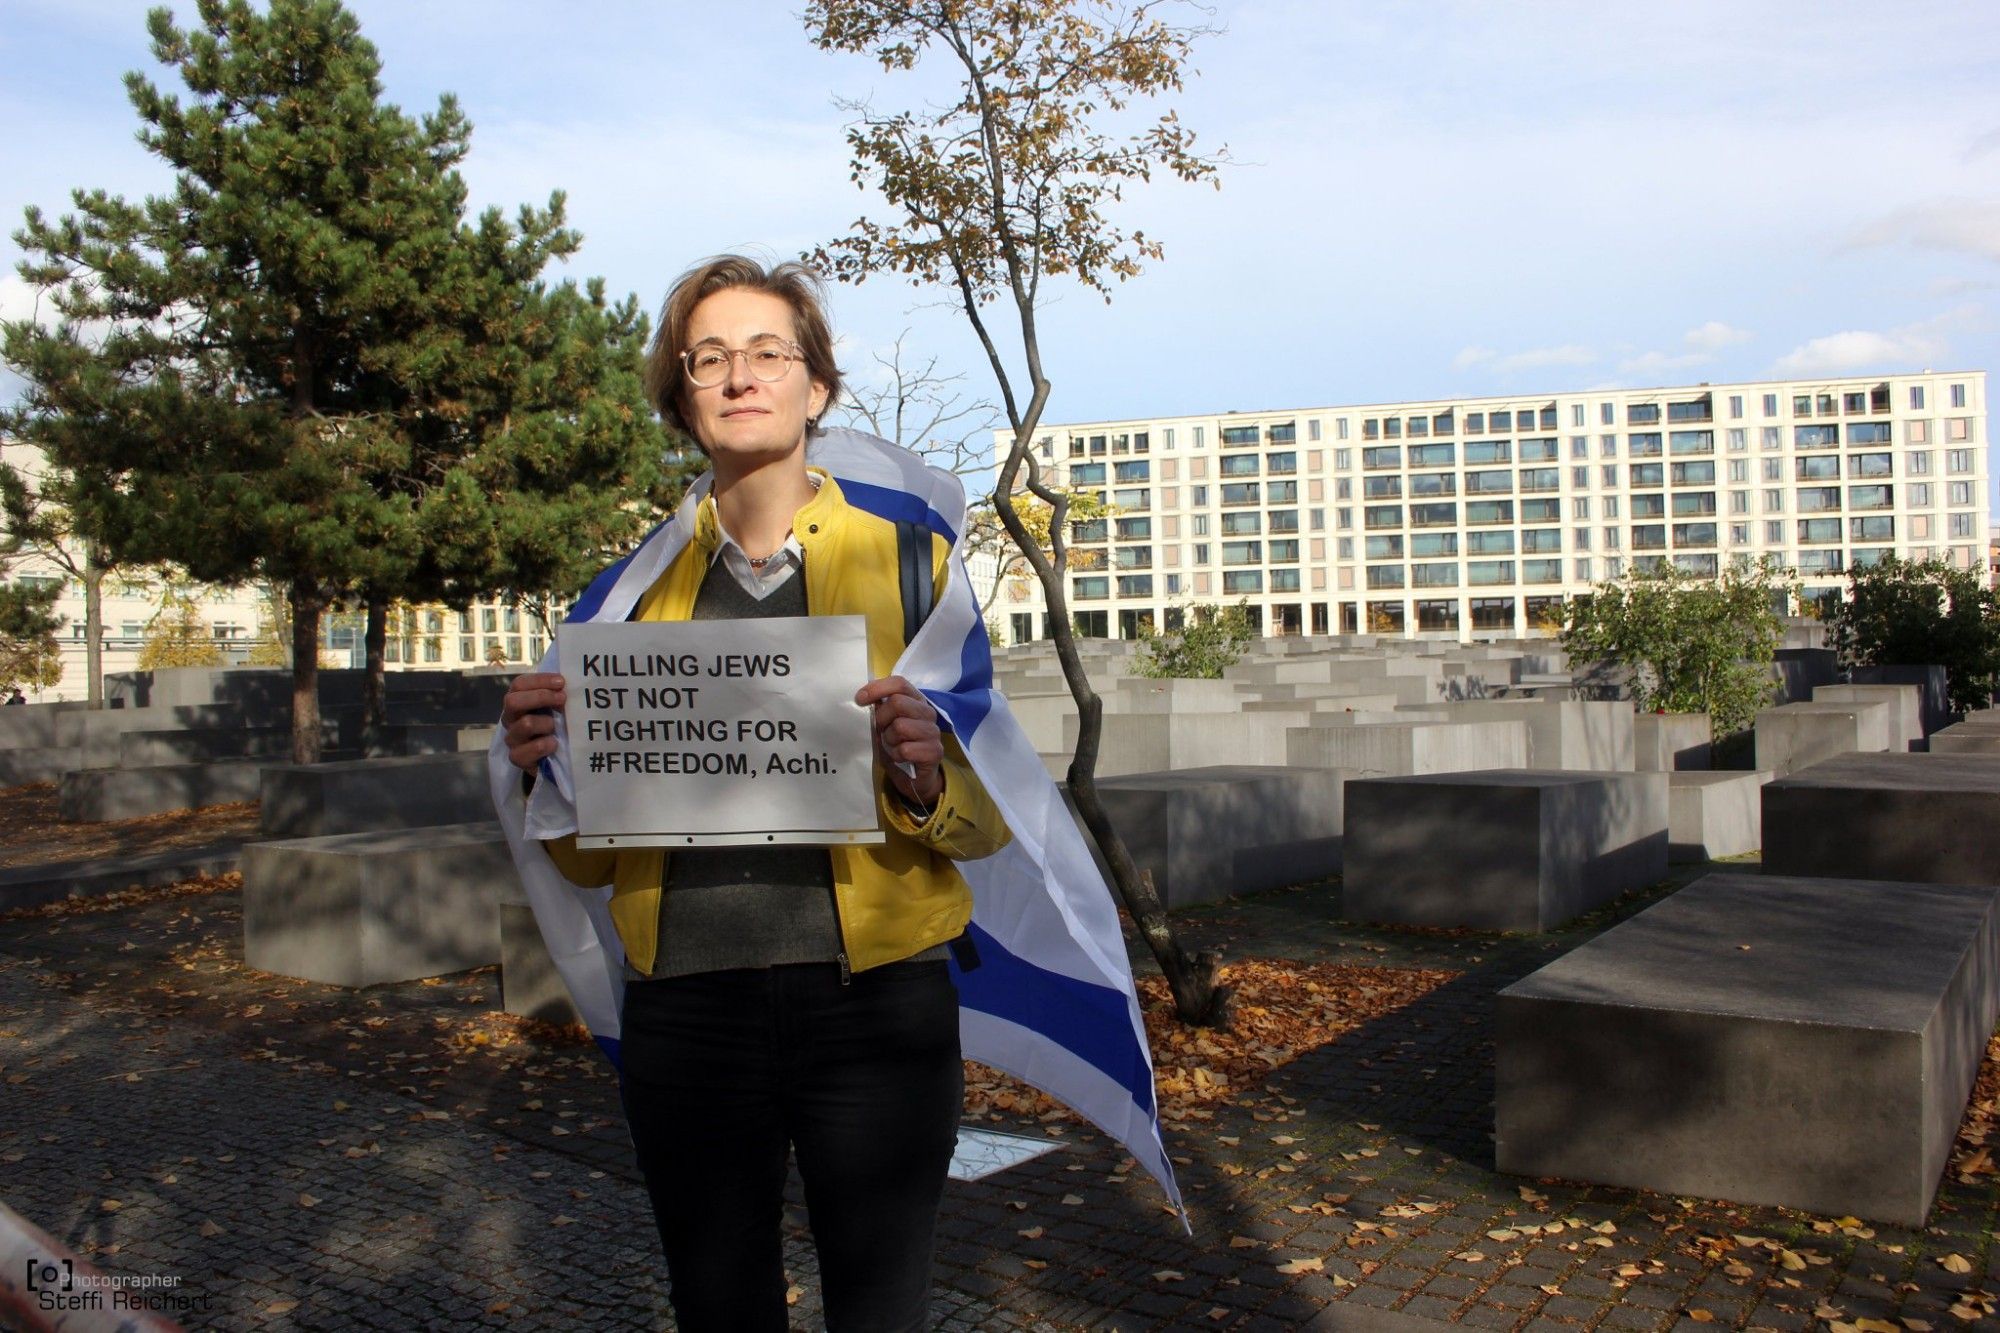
(1534,358)
(1661,363)
(1852,351)
(19,299)
(1714,336)
(1703,342)
(1966,226)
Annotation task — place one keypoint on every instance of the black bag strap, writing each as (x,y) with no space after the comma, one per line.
(913,549)
(913,552)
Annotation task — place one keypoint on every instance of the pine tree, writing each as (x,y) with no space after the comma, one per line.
(316,372)
(29,655)
(35,519)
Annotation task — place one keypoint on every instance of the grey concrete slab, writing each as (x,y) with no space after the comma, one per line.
(207,745)
(33,726)
(1564,733)
(1041,716)
(1795,736)
(529,983)
(1930,818)
(357,909)
(1510,849)
(35,885)
(1143,695)
(1796,671)
(1161,742)
(1807,1043)
(47,764)
(1714,813)
(400,739)
(1327,706)
(93,795)
(264,688)
(1662,742)
(1906,709)
(1393,748)
(1226,830)
(315,800)
(1959,739)
(1932,684)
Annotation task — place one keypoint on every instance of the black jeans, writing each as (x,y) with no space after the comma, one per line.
(723,1069)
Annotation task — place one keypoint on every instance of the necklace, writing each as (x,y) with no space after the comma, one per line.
(759,561)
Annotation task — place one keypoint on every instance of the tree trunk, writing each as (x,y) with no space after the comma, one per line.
(375,686)
(93,626)
(305,672)
(1199,998)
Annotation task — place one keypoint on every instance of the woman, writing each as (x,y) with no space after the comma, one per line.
(787,997)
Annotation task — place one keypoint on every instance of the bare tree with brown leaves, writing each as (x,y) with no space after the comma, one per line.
(1009,185)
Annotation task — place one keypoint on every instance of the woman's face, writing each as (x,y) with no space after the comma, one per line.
(743,421)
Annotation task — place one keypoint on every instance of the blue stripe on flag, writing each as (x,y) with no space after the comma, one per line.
(1091,1022)
(896,506)
(609,1045)
(962,712)
(967,703)
(975,661)
(586,607)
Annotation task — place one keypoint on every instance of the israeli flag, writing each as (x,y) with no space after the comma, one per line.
(1051,1001)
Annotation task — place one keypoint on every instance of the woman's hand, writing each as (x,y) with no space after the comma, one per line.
(527,716)
(906,732)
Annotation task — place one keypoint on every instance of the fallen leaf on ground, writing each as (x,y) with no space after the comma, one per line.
(1955,1263)
(1282,1010)
(1297,1266)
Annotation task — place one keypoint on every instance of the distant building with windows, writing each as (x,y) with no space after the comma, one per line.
(1477,517)
(490,631)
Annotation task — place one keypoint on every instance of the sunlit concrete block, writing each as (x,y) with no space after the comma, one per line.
(1803,1043)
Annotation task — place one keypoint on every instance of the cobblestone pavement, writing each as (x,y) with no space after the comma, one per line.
(304,1156)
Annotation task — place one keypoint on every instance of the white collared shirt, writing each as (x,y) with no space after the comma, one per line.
(760,581)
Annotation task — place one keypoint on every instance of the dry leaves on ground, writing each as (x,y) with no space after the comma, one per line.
(196,887)
(1972,1156)
(1282,1010)
(32,830)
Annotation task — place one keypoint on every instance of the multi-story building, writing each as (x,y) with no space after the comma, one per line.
(1477,517)
(492,631)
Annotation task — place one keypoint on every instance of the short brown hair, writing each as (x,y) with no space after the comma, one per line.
(793,283)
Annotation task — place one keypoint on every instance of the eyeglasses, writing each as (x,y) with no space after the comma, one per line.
(769,359)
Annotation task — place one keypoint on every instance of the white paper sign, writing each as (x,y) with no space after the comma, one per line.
(720,733)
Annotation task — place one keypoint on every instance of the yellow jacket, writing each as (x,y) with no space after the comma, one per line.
(894,898)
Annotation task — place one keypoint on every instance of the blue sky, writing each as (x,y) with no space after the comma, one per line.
(1428,198)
